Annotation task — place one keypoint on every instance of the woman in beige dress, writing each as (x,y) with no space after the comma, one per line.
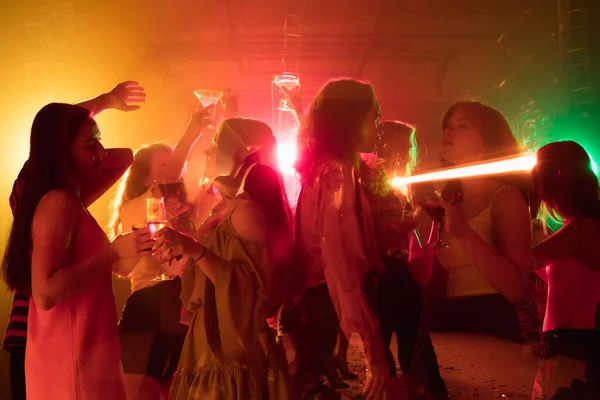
(228,287)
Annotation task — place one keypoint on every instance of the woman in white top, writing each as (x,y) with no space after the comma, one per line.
(487,227)
(150,330)
(569,262)
(484,271)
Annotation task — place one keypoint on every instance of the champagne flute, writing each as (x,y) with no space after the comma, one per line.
(289,82)
(437,213)
(207,97)
(171,192)
(156,219)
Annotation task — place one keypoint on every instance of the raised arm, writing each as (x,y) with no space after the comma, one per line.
(55,224)
(114,165)
(174,167)
(295,100)
(123,97)
(346,265)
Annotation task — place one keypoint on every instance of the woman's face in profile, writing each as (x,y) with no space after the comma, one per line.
(370,127)
(87,153)
(462,141)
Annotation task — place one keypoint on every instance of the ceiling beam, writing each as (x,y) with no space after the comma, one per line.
(234,33)
(381,11)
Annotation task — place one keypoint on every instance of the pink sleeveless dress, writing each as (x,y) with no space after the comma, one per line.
(73,350)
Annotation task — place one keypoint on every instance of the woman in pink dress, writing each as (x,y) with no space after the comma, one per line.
(59,254)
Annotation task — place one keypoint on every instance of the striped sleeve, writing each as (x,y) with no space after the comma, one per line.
(16,330)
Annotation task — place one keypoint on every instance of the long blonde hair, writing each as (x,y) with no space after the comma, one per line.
(132,184)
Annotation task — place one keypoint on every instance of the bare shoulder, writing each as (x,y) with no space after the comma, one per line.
(508,199)
(249,222)
(57,210)
(57,201)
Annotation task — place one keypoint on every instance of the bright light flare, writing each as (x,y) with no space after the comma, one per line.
(286,152)
(523,163)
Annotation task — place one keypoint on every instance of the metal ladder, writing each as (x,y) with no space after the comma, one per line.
(573,30)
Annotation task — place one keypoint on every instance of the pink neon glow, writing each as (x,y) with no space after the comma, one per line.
(287,153)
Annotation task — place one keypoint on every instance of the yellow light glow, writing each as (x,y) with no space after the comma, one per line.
(523,163)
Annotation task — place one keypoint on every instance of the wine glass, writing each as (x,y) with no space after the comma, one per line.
(174,195)
(156,219)
(437,213)
(208,97)
(289,82)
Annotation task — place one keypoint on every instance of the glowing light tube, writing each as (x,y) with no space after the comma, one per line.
(522,163)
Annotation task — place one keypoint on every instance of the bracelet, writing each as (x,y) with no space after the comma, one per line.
(201,257)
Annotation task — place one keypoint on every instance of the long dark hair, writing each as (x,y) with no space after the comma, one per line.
(132,184)
(498,140)
(565,183)
(53,132)
(335,122)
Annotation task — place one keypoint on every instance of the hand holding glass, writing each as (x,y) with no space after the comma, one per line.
(156,219)
(289,82)
(208,98)
(437,213)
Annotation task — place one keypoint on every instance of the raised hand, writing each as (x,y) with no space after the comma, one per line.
(295,97)
(126,96)
(202,118)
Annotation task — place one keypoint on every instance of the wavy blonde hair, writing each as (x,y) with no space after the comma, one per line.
(132,183)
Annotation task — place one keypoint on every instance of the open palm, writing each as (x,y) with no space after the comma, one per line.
(126,96)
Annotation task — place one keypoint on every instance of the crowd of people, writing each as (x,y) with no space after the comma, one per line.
(239,296)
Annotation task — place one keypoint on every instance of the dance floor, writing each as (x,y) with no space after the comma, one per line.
(473,366)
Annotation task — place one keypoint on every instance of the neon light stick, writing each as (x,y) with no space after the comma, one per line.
(522,163)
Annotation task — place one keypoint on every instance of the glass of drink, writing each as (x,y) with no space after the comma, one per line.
(208,97)
(174,195)
(156,219)
(437,213)
(290,82)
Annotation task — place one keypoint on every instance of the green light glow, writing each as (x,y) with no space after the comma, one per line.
(594,166)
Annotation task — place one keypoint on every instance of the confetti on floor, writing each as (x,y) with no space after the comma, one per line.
(473,366)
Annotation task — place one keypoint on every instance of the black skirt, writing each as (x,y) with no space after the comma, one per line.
(150,332)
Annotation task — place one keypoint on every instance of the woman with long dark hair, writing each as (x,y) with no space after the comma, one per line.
(231,287)
(339,259)
(122,97)
(59,254)
(399,293)
(567,189)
